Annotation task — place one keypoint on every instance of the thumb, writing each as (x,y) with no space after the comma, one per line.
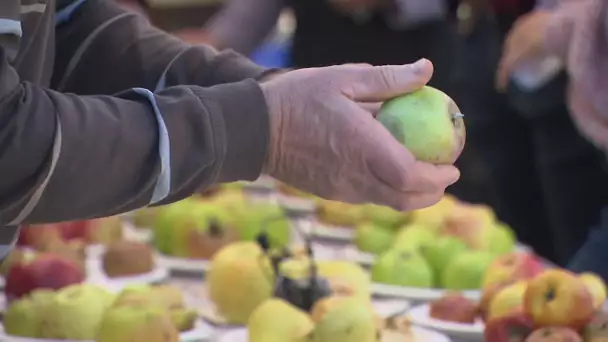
(380,83)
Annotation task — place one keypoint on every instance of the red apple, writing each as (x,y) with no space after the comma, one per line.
(558,298)
(46,271)
(512,328)
(513,266)
(554,334)
(454,307)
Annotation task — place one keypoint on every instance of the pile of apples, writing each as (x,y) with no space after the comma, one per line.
(197,227)
(246,290)
(98,231)
(555,305)
(26,271)
(448,246)
(241,277)
(86,312)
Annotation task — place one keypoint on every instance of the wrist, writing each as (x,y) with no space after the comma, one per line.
(275,123)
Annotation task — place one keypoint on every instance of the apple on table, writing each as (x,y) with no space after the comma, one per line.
(45,271)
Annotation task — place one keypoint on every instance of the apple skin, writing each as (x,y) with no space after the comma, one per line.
(513,266)
(507,300)
(558,298)
(597,329)
(511,328)
(425,122)
(554,334)
(596,286)
(454,307)
(487,296)
(471,224)
(47,271)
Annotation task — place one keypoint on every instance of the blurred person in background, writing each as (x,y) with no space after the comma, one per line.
(549,179)
(577,33)
(332,32)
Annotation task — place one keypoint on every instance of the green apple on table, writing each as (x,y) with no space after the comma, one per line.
(275,320)
(373,238)
(269,217)
(439,253)
(383,216)
(466,270)
(402,267)
(501,239)
(414,237)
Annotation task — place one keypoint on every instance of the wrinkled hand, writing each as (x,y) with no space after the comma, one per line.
(525,41)
(324,140)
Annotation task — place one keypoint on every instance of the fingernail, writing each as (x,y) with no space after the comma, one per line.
(419,66)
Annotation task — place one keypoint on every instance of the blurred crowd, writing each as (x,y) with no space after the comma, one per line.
(532,146)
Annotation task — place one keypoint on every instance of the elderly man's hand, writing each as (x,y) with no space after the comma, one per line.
(323,140)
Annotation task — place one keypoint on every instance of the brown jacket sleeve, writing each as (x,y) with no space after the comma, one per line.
(65,156)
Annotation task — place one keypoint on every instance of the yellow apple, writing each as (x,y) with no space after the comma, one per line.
(596,287)
(558,298)
(507,300)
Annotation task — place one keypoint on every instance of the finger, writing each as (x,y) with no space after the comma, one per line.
(425,177)
(371,107)
(380,83)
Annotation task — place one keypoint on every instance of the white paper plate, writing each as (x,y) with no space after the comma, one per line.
(201,333)
(416,294)
(327,232)
(421,335)
(470,332)
(183,264)
(96,275)
(386,308)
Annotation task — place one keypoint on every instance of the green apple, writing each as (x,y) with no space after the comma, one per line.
(441,252)
(136,324)
(372,238)
(501,239)
(82,303)
(202,216)
(294,325)
(165,221)
(414,237)
(344,319)
(402,268)
(383,216)
(428,123)
(466,270)
(267,217)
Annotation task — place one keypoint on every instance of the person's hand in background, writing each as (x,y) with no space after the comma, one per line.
(322,139)
(524,42)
